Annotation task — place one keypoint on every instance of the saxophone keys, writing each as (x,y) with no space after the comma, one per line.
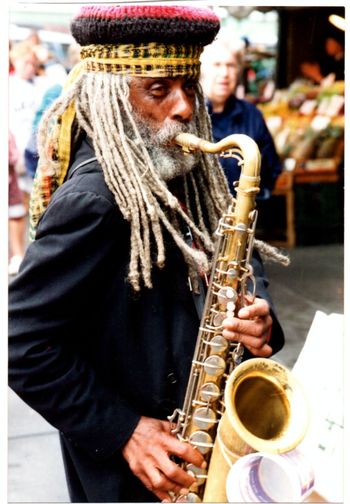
(218,319)
(227,294)
(204,418)
(232,273)
(190,497)
(198,473)
(214,365)
(238,354)
(210,392)
(218,343)
(202,441)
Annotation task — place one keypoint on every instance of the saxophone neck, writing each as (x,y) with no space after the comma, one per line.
(230,146)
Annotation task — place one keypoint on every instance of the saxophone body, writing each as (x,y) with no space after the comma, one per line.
(232,408)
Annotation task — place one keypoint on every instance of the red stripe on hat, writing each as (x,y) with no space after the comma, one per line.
(147,11)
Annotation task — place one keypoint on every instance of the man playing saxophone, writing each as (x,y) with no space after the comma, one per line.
(103,321)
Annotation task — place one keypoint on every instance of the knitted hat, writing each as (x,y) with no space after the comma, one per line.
(124,24)
(148,40)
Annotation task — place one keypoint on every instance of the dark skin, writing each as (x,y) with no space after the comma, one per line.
(158,99)
(151,446)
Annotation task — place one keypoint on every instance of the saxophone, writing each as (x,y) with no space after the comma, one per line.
(232,408)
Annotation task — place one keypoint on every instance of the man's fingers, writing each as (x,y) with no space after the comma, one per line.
(160,481)
(259,308)
(176,474)
(254,328)
(264,351)
(161,485)
(148,453)
(185,451)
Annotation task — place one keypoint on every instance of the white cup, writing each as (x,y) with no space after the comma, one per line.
(264,477)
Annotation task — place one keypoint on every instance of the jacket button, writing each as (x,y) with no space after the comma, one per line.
(172,379)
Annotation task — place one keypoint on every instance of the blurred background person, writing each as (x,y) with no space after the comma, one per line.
(33,38)
(330,63)
(220,71)
(73,55)
(24,99)
(50,70)
(16,212)
(35,81)
(53,92)
(31,155)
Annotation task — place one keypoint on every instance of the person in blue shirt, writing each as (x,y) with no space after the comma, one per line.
(31,155)
(219,77)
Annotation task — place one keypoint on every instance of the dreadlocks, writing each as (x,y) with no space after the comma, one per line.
(140,193)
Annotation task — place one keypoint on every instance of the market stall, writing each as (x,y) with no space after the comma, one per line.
(307,124)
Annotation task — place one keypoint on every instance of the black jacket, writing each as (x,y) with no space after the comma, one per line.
(88,353)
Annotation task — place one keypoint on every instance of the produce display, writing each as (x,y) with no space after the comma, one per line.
(307,123)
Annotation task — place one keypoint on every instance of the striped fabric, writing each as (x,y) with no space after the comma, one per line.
(152,60)
(43,188)
(173,24)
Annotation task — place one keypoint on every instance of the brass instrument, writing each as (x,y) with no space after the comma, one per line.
(257,410)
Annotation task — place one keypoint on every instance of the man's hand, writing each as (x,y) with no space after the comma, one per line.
(252,327)
(148,453)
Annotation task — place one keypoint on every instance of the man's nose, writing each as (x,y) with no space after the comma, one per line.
(182,109)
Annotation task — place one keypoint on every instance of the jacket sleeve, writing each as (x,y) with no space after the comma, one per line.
(57,275)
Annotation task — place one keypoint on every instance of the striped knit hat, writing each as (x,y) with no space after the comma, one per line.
(147,40)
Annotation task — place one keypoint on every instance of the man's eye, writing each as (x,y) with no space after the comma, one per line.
(157,90)
(191,88)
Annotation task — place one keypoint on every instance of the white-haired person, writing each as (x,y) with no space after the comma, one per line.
(220,71)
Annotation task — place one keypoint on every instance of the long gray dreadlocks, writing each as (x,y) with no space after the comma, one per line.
(103,110)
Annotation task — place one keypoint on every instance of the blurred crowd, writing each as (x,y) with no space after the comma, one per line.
(36,77)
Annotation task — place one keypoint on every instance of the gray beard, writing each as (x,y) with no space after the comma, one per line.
(169,159)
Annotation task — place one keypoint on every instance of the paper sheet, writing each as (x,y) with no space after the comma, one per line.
(320,368)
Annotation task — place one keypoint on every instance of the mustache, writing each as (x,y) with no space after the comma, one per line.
(169,130)
(162,136)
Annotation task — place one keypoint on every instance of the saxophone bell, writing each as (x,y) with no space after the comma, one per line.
(266,412)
